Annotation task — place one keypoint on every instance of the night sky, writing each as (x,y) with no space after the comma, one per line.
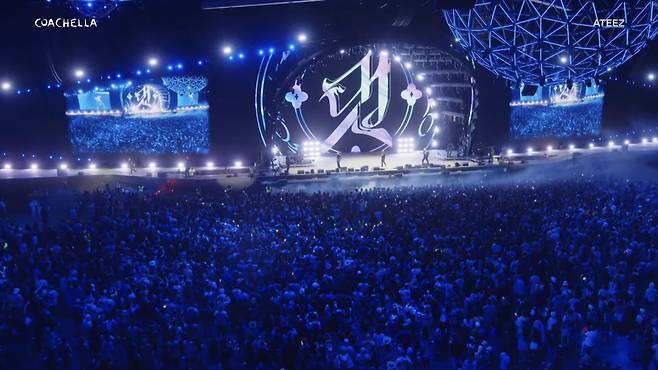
(180,31)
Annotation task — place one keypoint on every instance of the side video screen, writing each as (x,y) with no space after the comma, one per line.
(163,115)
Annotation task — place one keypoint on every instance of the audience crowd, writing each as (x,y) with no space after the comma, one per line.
(518,276)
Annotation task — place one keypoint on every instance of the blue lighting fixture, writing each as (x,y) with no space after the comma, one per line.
(96,8)
(555,41)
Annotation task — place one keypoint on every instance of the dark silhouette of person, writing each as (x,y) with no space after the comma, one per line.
(383,158)
(338,158)
(131,164)
(426,157)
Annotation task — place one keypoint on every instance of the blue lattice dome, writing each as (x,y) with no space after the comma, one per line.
(553,41)
(95,8)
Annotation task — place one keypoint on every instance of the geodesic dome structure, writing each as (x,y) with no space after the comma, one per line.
(553,41)
(185,84)
(96,8)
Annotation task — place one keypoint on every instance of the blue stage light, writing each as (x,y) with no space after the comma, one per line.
(118,75)
(179,66)
(200,62)
(291,47)
(271,50)
(170,67)
(139,73)
(241,56)
(261,52)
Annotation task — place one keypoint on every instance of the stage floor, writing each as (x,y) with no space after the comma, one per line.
(354,162)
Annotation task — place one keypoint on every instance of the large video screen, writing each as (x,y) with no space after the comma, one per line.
(163,115)
(559,111)
(365,99)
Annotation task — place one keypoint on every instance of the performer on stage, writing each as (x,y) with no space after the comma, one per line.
(426,157)
(383,158)
(131,164)
(287,165)
(188,167)
(338,158)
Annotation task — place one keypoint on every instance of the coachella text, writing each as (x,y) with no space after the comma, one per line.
(65,23)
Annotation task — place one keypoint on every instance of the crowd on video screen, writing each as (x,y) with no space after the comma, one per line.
(575,120)
(161,134)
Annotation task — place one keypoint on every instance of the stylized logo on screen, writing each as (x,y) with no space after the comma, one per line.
(360,102)
(563,94)
(146,99)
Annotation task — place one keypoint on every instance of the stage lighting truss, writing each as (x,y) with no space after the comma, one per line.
(454,93)
(554,41)
(406,145)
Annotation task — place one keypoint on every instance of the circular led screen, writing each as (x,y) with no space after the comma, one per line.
(358,102)
(365,99)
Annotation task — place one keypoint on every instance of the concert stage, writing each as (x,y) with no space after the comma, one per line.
(352,165)
(19,185)
(371,162)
